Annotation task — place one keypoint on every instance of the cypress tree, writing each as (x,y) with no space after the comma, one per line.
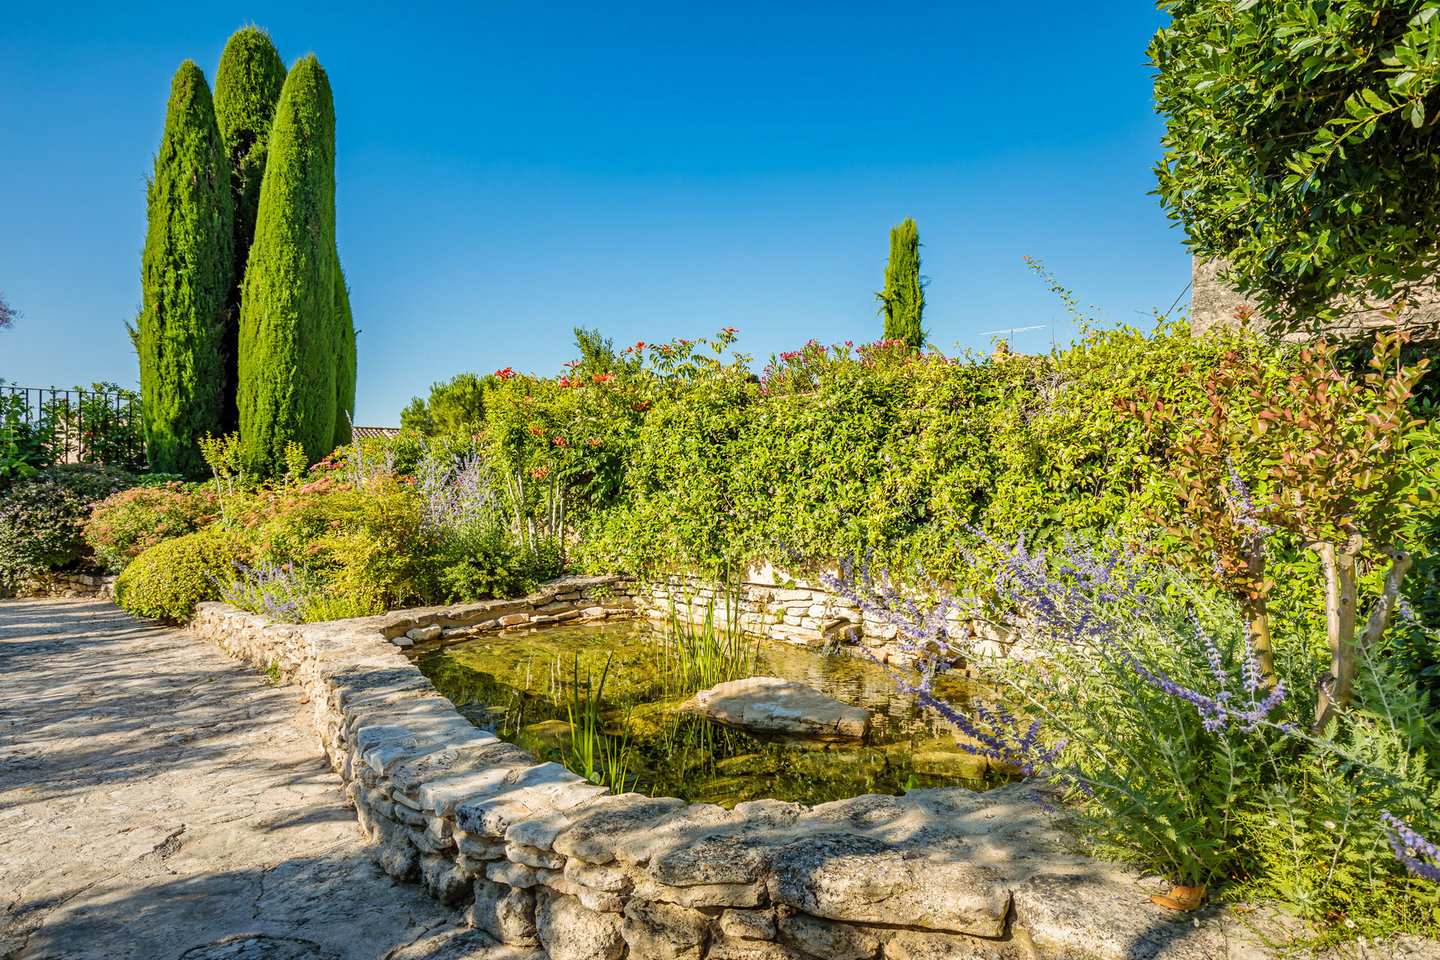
(288,332)
(187,270)
(345,361)
(247,87)
(903,299)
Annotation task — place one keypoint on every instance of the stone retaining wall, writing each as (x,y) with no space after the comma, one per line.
(559,868)
(100,585)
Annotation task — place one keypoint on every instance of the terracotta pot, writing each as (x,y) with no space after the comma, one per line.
(1181,898)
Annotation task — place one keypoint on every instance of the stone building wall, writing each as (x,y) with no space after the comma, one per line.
(557,867)
(1213,304)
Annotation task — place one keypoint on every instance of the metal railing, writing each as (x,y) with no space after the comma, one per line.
(100,425)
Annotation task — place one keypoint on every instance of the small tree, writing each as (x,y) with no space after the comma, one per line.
(289,342)
(902,302)
(1333,452)
(186,274)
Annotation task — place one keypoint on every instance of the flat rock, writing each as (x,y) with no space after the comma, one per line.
(771,705)
(842,876)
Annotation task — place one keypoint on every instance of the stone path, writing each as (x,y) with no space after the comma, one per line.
(159,801)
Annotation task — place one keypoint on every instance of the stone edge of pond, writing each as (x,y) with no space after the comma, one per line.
(550,863)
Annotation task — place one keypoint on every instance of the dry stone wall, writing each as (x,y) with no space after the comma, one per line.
(559,868)
(68,585)
(772,603)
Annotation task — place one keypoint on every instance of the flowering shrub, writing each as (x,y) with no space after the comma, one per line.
(42,518)
(125,524)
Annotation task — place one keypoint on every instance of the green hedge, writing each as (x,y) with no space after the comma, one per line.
(837,455)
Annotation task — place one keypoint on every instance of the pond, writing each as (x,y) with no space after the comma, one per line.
(535,687)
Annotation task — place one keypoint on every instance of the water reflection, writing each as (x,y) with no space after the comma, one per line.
(518,684)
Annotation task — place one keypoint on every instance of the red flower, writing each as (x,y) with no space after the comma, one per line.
(506,374)
(558,441)
(603,377)
(535,431)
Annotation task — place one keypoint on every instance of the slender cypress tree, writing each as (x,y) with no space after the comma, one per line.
(247,87)
(187,270)
(903,299)
(288,332)
(345,360)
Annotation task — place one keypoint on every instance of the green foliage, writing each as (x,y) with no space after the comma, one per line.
(100,423)
(1300,145)
(592,752)
(42,518)
(839,452)
(187,272)
(455,409)
(167,580)
(902,302)
(345,361)
(125,524)
(370,537)
(289,341)
(697,656)
(23,447)
(247,88)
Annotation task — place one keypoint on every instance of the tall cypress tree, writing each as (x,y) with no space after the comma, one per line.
(187,270)
(345,360)
(903,299)
(247,88)
(288,332)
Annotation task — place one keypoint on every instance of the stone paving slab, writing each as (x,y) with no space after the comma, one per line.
(159,801)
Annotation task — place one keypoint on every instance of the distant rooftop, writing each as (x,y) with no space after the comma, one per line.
(373,433)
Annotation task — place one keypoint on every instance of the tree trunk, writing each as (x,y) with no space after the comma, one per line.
(1338,686)
(1257,624)
(1384,608)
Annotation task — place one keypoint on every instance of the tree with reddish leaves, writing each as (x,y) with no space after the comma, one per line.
(1327,451)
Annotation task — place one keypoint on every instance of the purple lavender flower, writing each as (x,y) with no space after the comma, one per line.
(272,590)
(1419,856)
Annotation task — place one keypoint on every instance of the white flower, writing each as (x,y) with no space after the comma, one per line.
(1329,824)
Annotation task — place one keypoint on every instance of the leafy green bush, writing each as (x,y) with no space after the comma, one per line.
(125,524)
(42,518)
(167,580)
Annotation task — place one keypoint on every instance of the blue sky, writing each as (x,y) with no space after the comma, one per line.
(509,170)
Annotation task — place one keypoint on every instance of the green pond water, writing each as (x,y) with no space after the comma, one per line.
(517,684)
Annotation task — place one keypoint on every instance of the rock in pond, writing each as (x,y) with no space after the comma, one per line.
(770,705)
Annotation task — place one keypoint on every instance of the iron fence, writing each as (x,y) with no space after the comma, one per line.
(51,425)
